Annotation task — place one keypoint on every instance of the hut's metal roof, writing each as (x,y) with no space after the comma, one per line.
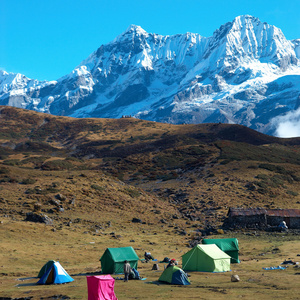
(235,212)
(289,213)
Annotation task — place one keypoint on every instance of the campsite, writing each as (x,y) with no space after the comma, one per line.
(119,191)
(79,255)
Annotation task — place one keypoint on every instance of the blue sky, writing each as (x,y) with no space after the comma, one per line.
(47,39)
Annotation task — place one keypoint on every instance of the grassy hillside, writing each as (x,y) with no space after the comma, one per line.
(92,177)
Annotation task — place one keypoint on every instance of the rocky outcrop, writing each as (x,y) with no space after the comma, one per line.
(38,218)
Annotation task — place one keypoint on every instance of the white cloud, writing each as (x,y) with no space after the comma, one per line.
(288,125)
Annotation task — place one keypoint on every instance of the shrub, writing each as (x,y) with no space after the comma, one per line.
(75,159)
(36,160)
(225,161)
(56,165)
(28,181)
(292,193)
(5,179)
(262,184)
(132,192)
(252,167)
(39,191)
(11,162)
(262,177)
(295,177)
(274,168)
(166,177)
(97,187)
(4,170)
(277,180)
(268,167)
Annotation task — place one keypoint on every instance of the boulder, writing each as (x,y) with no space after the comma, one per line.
(38,218)
(235,278)
(136,220)
(60,197)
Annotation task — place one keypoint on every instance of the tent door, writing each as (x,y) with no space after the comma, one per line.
(50,278)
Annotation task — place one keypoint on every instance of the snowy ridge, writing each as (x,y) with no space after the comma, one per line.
(246,73)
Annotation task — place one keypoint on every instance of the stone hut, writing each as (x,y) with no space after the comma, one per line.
(246,218)
(290,216)
(261,218)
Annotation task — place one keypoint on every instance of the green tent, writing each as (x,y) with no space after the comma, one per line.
(112,260)
(45,268)
(206,258)
(229,246)
(174,275)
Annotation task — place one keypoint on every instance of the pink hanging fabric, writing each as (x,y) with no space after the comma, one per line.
(101,287)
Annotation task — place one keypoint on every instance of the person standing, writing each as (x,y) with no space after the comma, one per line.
(127,270)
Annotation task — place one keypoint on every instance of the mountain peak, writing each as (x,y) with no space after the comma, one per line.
(135,29)
(132,30)
(247,22)
(240,23)
(245,19)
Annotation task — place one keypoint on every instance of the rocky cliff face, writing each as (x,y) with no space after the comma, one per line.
(246,73)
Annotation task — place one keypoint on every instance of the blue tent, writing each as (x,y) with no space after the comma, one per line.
(55,274)
(174,275)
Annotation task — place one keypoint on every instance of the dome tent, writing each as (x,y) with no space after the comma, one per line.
(45,267)
(55,274)
(206,258)
(174,275)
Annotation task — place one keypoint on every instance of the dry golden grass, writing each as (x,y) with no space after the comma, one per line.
(26,246)
(177,179)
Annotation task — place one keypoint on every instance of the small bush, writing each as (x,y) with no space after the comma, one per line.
(75,159)
(253,167)
(273,168)
(225,161)
(295,177)
(292,193)
(277,180)
(97,187)
(50,189)
(5,179)
(262,177)
(28,181)
(57,165)
(4,170)
(36,160)
(262,184)
(132,193)
(39,191)
(166,177)
(268,167)
(11,162)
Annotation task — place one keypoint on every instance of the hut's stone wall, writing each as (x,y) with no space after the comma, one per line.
(253,221)
(261,218)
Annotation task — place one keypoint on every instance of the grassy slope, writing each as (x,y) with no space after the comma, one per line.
(176,179)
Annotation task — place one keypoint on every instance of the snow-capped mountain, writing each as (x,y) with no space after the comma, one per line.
(246,73)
